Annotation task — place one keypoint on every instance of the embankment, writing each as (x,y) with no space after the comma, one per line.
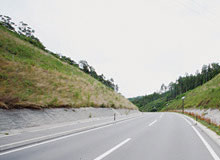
(17,119)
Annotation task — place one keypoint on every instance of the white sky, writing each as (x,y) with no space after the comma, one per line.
(139,43)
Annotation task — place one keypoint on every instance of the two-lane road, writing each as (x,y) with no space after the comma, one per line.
(153,136)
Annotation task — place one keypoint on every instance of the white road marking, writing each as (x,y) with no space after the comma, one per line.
(211,151)
(111,150)
(56,139)
(152,123)
(161,115)
(48,141)
(60,133)
(187,120)
(57,126)
(56,134)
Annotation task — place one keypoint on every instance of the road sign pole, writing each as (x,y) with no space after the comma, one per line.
(183,104)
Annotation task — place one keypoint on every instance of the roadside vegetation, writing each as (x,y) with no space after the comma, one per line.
(203,97)
(33,77)
(205,121)
(26,33)
(201,90)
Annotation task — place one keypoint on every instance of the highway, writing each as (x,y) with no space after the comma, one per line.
(152,136)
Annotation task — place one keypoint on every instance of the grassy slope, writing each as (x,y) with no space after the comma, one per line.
(29,77)
(205,96)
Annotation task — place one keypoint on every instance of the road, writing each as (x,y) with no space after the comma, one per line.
(153,136)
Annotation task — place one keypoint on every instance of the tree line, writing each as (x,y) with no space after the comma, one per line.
(189,82)
(25,32)
(158,100)
(22,29)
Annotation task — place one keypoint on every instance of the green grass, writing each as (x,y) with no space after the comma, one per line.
(35,78)
(211,126)
(202,97)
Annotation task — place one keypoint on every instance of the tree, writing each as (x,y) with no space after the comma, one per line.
(204,73)
(6,21)
(25,32)
(163,88)
(116,88)
(84,66)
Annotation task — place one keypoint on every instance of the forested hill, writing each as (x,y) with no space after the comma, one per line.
(33,77)
(175,90)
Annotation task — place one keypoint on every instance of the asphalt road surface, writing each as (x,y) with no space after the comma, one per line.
(153,136)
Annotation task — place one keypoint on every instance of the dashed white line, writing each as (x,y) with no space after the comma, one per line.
(111,150)
(152,123)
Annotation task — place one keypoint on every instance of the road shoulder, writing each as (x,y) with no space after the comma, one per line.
(40,136)
(209,132)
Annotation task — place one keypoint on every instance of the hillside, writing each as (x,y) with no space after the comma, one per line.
(149,103)
(32,78)
(205,96)
(207,80)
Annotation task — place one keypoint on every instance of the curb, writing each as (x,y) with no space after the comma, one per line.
(209,132)
(27,142)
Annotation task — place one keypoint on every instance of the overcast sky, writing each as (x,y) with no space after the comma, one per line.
(139,43)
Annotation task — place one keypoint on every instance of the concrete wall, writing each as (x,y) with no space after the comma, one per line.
(24,118)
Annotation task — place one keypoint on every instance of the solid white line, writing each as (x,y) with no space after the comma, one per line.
(56,139)
(187,120)
(52,140)
(152,123)
(65,132)
(111,150)
(56,134)
(57,126)
(211,151)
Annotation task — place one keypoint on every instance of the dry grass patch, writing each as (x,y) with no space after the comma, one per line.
(36,79)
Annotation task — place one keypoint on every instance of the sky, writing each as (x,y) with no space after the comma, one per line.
(141,44)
